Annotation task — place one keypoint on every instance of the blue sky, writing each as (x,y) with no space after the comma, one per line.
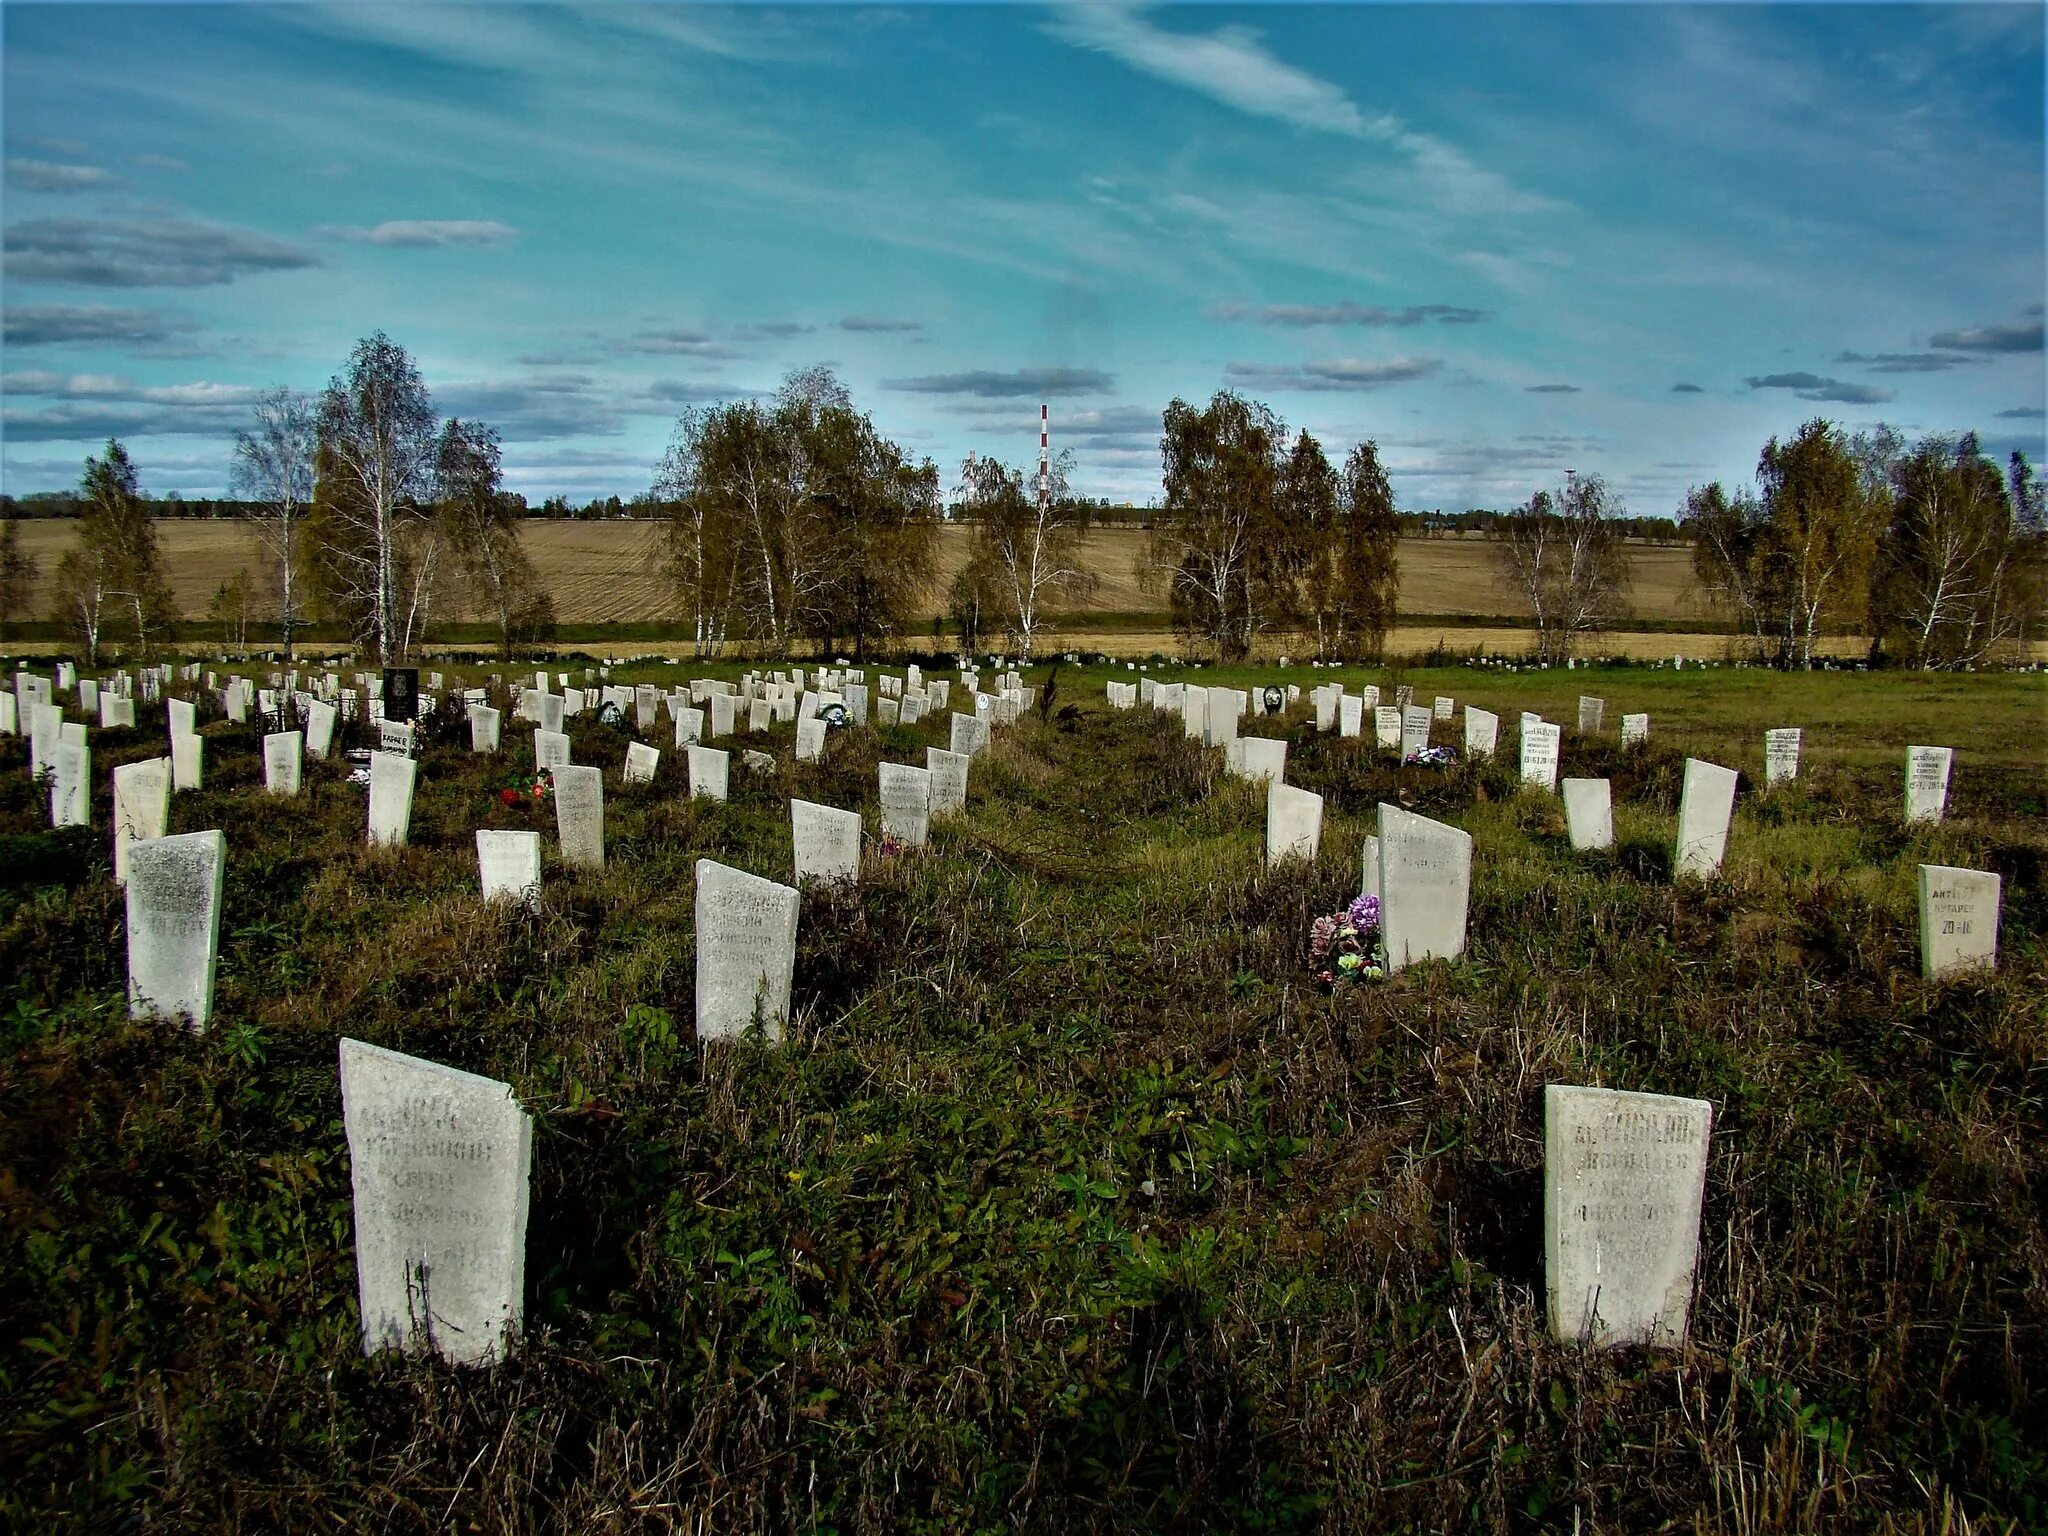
(1501,241)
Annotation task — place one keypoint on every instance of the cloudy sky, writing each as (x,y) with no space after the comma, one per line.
(1500,241)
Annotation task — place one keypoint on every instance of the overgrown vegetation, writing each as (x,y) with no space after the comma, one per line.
(1067,1205)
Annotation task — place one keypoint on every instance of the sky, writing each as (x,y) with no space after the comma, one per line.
(1501,242)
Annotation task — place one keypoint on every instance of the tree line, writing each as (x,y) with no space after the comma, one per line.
(793,520)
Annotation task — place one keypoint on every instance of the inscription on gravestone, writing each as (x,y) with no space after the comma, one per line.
(1958,920)
(746,953)
(173,898)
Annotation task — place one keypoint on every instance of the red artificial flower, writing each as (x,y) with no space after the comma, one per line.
(509,796)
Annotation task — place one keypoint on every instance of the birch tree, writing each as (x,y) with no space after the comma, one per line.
(1026,552)
(1564,557)
(481,533)
(1950,589)
(1221,471)
(273,469)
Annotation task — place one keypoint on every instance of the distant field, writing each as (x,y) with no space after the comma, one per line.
(610,573)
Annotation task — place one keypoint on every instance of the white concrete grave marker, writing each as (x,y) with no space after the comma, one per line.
(1705,803)
(710,771)
(1781,756)
(441,1164)
(641,763)
(1425,887)
(1445,707)
(1482,730)
(1350,716)
(508,865)
(1591,712)
(1623,1178)
(142,807)
(551,714)
(319,729)
(760,715)
(1541,743)
(282,755)
(1958,920)
(550,751)
(810,741)
(969,734)
(1589,813)
(173,895)
(392,775)
(1220,724)
(689,727)
(1415,723)
(485,724)
(1386,726)
(1294,824)
(826,841)
(1369,868)
(746,953)
(188,753)
(1927,771)
(397,737)
(948,772)
(1635,729)
(71,778)
(1264,759)
(579,814)
(906,794)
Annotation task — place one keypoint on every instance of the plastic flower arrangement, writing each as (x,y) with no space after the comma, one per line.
(1434,757)
(1344,948)
(892,847)
(528,788)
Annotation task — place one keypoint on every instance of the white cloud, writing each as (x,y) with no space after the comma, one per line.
(423,232)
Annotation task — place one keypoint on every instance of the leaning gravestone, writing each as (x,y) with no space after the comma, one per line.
(319,728)
(1482,730)
(579,814)
(441,1164)
(1623,1179)
(398,737)
(1927,771)
(282,752)
(1705,803)
(949,779)
(689,727)
(1264,759)
(484,725)
(641,763)
(1589,813)
(508,864)
(1294,824)
(826,842)
(1425,887)
(188,755)
(391,782)
(1541,743)
(906,794)
(1958,920)
(710,771)
(71,778)
(1781,756)
(142,807)
(174,886)
(550,751)
(746,953)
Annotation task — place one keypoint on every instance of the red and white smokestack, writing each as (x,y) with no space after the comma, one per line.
(1044,471)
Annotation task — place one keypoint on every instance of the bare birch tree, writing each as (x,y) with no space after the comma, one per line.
(273,468)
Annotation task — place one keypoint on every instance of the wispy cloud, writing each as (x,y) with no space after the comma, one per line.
(1049,383)
(2022,413)
(153,253)
(1335,373)
(674,341)
(1345,312)
(1811,386)
(873,323)
(53,176)
(102,405)
(1687,389)
(1907,362)
(1550,389)
(91,325)
(2013,336)
(772,330)
(422,232)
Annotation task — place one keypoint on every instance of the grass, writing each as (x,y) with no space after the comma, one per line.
(1067,1205)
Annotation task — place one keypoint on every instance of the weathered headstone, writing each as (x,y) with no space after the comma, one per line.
(1294,824)
(1415,723)
(71,778)
(1927,770)
(550,751)
(1220,724)
(1482,730)
(1264,759)
(810,741)
(391,781)
(1958,920)
(1635,729)
(1541,743)
(1445,707)
(1369,868)
(485,724)
(1781,756)
(826,841)
(641,763)
(319,731)
(1386,726)
(1591,712)
(746,953)
(142,807)
(1425,887)
(1589,813)
(689,727)
(173,894)
(948,772)
(441,1164)
(281,762)
(1705,802)
(906,794)
(1350,716)
(508,864)
(710,771)
(188,755)
(579,814)
(398,737)
(1623,1179)
(969,734)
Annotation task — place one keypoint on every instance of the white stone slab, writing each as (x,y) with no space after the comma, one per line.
(282,755)
(1705,803)
(551,714)
(1263,758)
(1415,724)
(710,771)
(173,897)
(746,953)
(1781,756)
(1220,723)
(826,841)
(398,737)
(550,751)
(1927,770)
(508,866)
(1958,920)
(441,1164)
(392,775)
(810,740)
(1445,707)
(1350,716)
(1589,813)
(1623,1179)
(948,772)
(1294,824)
(1369,868)
(689,727)
(486,726)
(1425,887)
(1482,731)
(1541,744)
(1386,726)
(906,794)
(641,763)
(141,807)
(1591,712)
(579,815)
(1635,729)
(188,759)
(319,729)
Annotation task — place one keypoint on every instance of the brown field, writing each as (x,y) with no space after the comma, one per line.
(610,573)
